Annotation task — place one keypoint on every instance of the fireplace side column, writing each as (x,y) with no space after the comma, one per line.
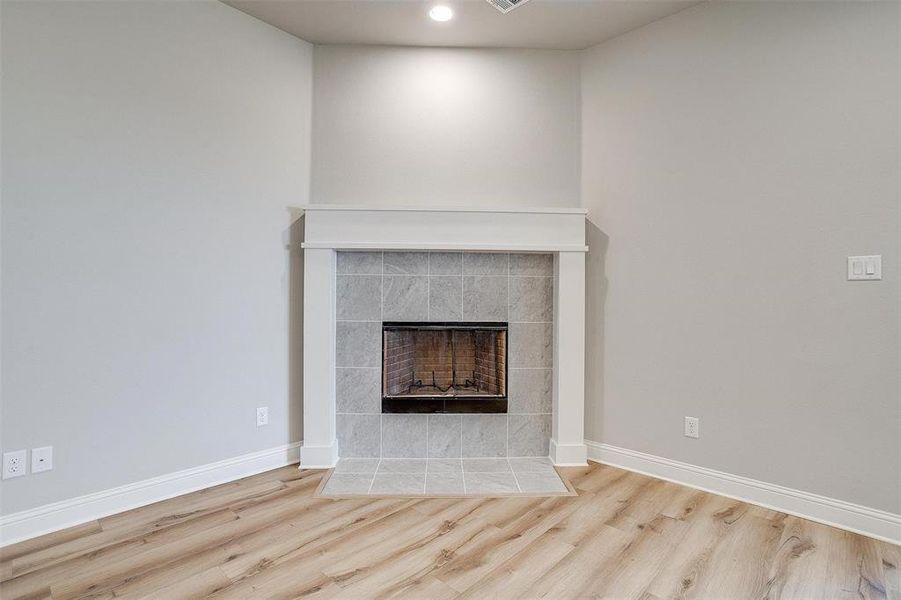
(567,445)
(320,446)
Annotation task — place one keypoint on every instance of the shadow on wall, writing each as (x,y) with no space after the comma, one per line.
(294,238)
(595,299)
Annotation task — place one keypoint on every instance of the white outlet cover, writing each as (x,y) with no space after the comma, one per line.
(41,459)
(692,427)
(14,464)
(262,416)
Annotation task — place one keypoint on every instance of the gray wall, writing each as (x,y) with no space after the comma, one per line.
(446,127)
(444,286)
(734,155)
(149,152)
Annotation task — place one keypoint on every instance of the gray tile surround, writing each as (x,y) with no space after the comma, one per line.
(445,263)
(445,298)
(445,436)
(443,286)
(359,297)
(358,390)
(532,299)
(406,263)
(404,436)
(405,298)
(531,345)
(529,391)
(485,298)
(445,477)
(484,263)
(484,435)
(359,436)
(359,263)
(358,344)
(529,435)
(532,265)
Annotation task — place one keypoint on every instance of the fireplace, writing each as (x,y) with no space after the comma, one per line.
(365,268)
(444,367)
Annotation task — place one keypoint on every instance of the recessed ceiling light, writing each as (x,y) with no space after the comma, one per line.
(441,13)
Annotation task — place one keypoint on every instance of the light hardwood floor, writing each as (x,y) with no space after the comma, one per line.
(624,536)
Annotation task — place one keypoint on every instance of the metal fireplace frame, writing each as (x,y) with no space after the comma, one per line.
(488,403)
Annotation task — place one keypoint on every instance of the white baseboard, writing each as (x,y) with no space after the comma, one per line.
(68,513)
(319,457)
(568,455)
(75,511)
(871,522)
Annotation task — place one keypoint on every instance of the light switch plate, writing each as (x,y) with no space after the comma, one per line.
(865,268)
(41,459)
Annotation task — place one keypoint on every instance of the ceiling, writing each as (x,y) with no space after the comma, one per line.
(560,24)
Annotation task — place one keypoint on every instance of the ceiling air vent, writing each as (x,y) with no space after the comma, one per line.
(506,6)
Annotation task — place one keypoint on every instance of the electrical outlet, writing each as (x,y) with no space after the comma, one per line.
(692,427)
(262,416)
(14,464)
(41,459)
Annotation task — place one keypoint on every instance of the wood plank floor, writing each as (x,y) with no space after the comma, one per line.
(624,536)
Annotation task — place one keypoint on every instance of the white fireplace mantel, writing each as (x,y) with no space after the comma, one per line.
(525,230)
(328,228)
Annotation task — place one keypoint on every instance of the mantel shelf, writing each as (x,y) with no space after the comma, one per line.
(448,246)
(472,209)
(557,230)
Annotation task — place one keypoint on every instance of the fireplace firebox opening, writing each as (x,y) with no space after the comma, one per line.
(444,367)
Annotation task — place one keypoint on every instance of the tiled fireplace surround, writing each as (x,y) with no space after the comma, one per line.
(372,287)
(363,266)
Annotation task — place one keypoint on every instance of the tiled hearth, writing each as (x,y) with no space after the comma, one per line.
(440,477)
(373,287)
